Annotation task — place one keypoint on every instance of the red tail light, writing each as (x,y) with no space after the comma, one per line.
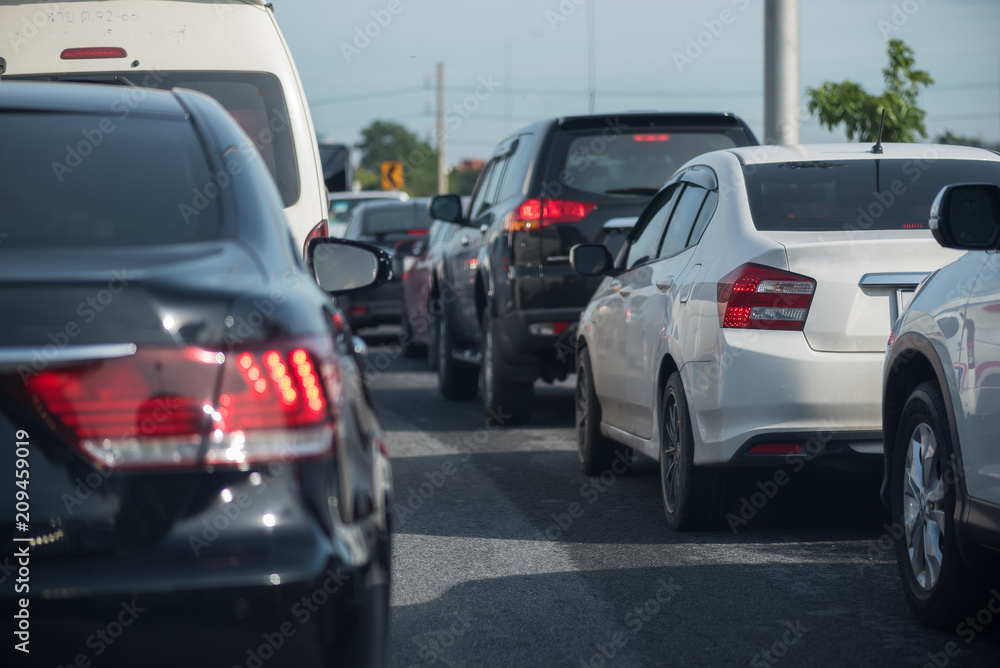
(758,297)
(320,231)
(416,233)
(93,52)
(535,214)
(776,449)
(651,137)
(156,408)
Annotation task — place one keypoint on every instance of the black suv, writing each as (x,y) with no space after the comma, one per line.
(507,299)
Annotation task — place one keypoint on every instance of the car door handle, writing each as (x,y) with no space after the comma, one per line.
(624,292)
(665,284)
(465,240)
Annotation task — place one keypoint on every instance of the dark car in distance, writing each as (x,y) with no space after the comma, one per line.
(509,298)
(389,225)
(206,477)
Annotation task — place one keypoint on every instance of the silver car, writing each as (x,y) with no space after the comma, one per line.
(941,418)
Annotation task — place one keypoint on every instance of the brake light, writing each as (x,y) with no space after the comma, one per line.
(93,53)
(651,137)
(417,233)
(320,231)
(758,297)
(156,408)
(535,214)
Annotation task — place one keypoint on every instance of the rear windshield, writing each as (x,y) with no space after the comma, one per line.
(633,162)
(341,209)
(254,99)
(855,194)
(385,223)
(83,181)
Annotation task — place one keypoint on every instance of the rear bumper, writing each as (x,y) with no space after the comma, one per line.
(218,589)
(371,308)
(772,387)
(528,355)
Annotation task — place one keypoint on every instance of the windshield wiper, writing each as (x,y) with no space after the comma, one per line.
(632,191)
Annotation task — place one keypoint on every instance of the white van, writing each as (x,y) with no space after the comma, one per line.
(231,50)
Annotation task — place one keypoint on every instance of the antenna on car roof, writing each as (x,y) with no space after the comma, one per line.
(877,148)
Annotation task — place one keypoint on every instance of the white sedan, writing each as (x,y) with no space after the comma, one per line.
(745,320)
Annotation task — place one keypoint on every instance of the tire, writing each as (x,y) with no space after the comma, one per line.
(411,350)
(938,585)
(597,452)
(693,497)
(504,402)
(456,381)
(432,341)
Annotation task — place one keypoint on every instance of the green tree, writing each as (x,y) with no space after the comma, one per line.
(948,137)
(847,103)
(382,141)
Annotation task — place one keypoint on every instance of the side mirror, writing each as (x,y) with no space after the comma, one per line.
(447,208)
(341,266)
(967,216)
(591,260)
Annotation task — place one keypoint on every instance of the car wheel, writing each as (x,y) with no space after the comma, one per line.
(410,349)
(693,496)
(597,452)
(455,380)
(938,585)
(503,401)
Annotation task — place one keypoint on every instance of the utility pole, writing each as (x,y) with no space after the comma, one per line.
(508,104)
(781,72)
(442,164)
(591,56)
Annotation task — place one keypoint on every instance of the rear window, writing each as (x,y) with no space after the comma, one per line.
(341,209)
(633,162)
(381,223)
(254,99)
(851,195)
(84,181)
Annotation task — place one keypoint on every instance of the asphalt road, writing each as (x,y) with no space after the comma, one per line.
(505,554)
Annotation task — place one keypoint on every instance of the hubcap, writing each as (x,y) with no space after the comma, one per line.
(923,506)
(668,455)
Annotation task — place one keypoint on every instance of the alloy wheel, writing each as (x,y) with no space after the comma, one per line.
(669,453)
(924,506)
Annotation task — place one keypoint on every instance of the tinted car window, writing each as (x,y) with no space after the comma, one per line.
(619,163)
(682,220)
(644,247)
(493,189)
(384,224)
(854,195)
(704,216)
(517,168)
(479,194)
(254,99)
(61,187)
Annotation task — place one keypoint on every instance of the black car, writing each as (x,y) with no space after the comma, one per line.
(509,300)
(192,472)
(387,224)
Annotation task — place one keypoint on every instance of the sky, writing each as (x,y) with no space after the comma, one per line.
(509,63)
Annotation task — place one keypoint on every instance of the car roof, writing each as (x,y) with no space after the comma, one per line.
(89,99)
(762,155)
